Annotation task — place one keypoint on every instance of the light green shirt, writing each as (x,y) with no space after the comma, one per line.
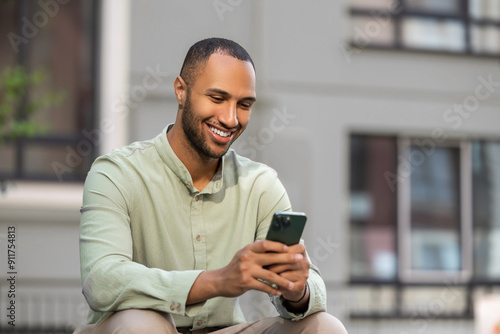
(146,233)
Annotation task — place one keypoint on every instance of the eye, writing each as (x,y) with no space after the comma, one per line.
(217,99)
(245,105)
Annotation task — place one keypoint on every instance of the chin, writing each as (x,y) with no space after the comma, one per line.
(219,153)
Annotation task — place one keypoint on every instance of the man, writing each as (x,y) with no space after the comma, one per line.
(172,228)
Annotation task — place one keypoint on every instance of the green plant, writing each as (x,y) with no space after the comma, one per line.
(18,103)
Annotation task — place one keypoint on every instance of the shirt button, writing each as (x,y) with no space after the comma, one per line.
(172,307)
(199,323)
(197,198)
(178,308)
(189,185)
(198,238)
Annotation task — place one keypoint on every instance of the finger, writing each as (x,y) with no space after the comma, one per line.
(263,246)
(269,259)
(298,249)
(273,279)
(279,268)
(294,276)
(297,292)
(267,288)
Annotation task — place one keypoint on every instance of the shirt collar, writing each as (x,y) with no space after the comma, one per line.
(170,159)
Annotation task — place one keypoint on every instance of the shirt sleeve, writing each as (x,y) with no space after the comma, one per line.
(112,281)
(276,199)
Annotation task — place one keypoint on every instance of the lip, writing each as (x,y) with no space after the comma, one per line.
(217,138)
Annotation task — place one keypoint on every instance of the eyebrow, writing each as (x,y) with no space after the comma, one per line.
(224,93)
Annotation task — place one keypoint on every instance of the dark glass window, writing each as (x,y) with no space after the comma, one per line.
(435,211)
(486,209)
(60,38)
(456,26)
(373,208)
(412,207)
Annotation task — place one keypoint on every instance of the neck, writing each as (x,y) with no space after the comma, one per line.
(200,167)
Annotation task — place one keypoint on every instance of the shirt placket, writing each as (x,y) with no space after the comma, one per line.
(200,246)
(198,232)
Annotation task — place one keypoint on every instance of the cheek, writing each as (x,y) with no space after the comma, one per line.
(244,118)
(202,108)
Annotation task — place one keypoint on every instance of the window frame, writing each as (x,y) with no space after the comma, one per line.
(400,12)
(405,271)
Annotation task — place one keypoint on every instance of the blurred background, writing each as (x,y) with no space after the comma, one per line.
(381,117)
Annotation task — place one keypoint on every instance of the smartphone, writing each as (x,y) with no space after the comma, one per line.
(286,227)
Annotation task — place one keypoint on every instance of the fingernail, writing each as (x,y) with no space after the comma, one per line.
(298,257)
(290,286)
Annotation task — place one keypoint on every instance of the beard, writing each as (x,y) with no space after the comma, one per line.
(190,125)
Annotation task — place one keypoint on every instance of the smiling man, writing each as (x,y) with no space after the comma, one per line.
(172,228)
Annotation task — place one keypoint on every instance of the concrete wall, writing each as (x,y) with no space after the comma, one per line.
(40,273)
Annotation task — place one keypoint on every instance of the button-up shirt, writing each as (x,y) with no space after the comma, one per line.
(146,232)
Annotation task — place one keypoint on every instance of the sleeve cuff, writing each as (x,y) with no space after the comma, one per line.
(284,313)
(178,294)
(317,302)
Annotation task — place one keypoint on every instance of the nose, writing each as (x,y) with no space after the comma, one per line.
(229,116)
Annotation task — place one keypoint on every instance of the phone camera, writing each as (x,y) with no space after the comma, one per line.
(278,223)
(286,223)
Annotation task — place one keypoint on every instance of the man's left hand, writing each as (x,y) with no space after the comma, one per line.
(296,272)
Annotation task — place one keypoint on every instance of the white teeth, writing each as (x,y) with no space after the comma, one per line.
(220,133)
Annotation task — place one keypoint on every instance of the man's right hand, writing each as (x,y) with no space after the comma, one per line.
(245,272)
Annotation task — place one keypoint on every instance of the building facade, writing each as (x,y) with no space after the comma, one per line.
(381,119)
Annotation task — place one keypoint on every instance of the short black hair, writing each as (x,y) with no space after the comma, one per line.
(198,54)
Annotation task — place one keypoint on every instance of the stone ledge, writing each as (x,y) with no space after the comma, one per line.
(41,201)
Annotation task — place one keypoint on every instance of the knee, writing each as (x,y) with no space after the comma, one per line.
(137,322)
(140,328)
(323,322)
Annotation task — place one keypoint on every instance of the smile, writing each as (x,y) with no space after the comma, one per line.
(219,132)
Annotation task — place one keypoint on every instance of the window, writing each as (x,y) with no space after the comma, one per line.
(424,225)
(373,208)
(486,209)
(60,37)
(423,211)
(434,211)
(454,26)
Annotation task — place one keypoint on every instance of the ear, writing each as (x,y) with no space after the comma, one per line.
(180,88)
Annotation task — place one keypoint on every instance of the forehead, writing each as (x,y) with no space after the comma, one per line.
(227,73)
